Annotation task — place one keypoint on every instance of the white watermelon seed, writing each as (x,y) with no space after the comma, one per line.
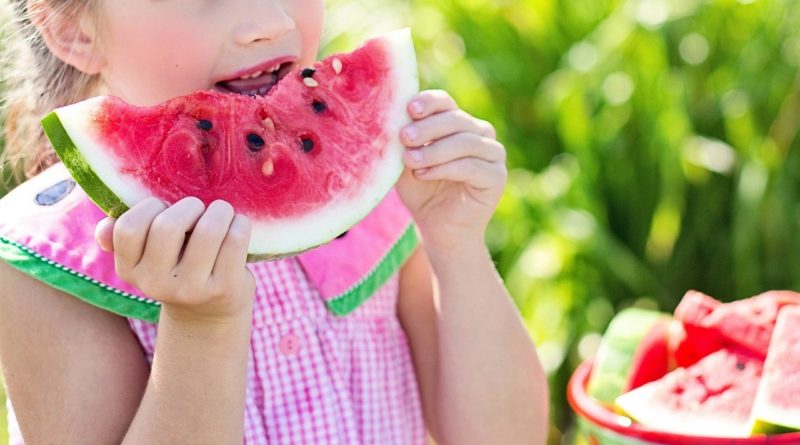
(269,123)
(337,66)
(310,82)
(268,167)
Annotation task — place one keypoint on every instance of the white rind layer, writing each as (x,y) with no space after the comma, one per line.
(77,121)
(291,235)
(784,412)
(660,419)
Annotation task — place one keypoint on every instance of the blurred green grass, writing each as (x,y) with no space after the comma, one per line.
(652,148)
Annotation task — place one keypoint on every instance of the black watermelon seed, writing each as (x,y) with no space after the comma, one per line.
(342,235)
(255,142)
(740,366)
(307,145)
(307,72)
(319,106)
(205,125)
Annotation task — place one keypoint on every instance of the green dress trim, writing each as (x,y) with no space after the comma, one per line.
(77,284)
(128,305)
(349,300)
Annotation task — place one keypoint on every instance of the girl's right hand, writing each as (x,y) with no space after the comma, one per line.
(198,276)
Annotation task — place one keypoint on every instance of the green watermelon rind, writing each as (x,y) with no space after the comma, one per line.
(80,170)
(617,349)
(761,426)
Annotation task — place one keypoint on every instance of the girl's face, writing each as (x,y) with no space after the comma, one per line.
(157,49)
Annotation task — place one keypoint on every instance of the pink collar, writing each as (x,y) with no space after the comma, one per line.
(47,231)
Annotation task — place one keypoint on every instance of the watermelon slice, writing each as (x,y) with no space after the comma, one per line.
(304,163)
(633,351)
(713,398)
(777,407)
(746,323)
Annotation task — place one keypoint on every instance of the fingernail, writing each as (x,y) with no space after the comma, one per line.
(411,133)
(417,107)
(416,155)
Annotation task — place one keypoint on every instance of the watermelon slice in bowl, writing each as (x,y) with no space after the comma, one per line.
(777,406)
(633,351)
(600,425)
(714,396)
(304,163)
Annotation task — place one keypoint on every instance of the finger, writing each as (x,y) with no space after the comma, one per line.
(206,239)
(130,233)
(430,102)
(232,256)
(442,125)
(168,233)
(475,172)
(457,146)
(104,234)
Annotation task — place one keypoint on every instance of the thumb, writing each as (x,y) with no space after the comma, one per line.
(104,234)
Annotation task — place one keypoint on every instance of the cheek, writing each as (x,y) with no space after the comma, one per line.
(151,59)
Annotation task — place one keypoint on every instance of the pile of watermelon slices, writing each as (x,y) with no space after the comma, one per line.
(712,369)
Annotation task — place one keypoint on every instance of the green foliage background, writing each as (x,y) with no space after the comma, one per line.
(652,148)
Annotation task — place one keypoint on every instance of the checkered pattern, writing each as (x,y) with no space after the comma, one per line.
(315,378)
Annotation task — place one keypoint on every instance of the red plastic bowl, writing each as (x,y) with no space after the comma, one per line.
(600,426)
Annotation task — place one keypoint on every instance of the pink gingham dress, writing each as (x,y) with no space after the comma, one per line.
(314,376)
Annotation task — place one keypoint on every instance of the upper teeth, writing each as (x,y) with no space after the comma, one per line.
(259,73)
(253,75)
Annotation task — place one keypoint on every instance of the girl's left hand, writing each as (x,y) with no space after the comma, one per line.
(455,171)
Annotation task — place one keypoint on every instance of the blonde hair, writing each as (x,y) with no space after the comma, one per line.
(35,82)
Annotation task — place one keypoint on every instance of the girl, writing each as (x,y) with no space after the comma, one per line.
(247,351)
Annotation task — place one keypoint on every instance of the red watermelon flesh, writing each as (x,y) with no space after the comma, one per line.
(747,323)
(693,343)
(777,405)
(691,339)
(695,307)
(714,397)
(304,163)
(652,358)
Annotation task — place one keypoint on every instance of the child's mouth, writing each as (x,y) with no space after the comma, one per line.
(256,84)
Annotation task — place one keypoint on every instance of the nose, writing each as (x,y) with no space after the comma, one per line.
(264,20)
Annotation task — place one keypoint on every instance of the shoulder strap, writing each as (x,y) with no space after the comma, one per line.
(47,231)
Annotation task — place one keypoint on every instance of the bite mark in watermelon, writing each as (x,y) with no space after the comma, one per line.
(304,163)
(777,407)
(714,397)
